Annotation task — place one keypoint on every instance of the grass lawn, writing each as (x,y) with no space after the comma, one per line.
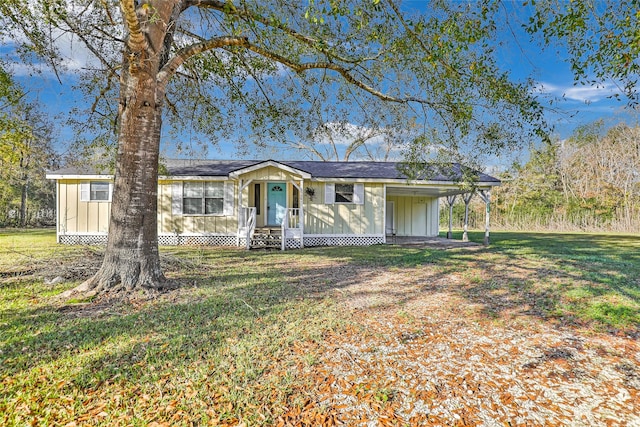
(245,339)
(588,278)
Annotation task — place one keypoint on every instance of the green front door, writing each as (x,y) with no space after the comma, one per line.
(276,202)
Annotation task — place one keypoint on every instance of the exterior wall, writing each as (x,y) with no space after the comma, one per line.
(415,216)
(341,219)
(170,223)
(78,217)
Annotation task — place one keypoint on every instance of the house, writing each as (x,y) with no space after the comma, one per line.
(288,204)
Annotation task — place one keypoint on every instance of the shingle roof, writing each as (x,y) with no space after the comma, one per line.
(317,169)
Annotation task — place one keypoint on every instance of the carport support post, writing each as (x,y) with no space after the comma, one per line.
(450,200)
(486,198)
(467,198)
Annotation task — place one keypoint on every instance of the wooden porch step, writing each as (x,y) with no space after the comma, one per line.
(264,240)
(268,230)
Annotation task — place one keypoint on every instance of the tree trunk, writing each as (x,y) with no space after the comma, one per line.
(132,261)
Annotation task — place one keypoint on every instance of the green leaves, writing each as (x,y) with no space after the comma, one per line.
(602,39)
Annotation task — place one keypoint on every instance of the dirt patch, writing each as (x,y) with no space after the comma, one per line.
(57,268)
(420,351)
(432,242)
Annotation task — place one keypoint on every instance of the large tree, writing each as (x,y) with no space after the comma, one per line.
(234,69)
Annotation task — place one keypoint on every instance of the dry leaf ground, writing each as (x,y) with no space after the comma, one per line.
(419,354)
(473,345)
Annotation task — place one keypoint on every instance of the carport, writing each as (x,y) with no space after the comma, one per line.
(414,212)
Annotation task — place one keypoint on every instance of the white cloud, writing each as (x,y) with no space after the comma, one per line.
(73,57)
(586,94)
(73,54)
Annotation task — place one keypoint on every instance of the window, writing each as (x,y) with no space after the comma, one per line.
(344,193)
(203,198)
(99,191)
(295,198)
(95,191)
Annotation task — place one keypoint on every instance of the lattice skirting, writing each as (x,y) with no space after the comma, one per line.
(342,240)
(231,240)
(80,239)
(291,243)
(163,240)
(206,240)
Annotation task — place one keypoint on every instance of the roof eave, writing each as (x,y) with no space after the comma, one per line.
(77,176)
(404,181)
(236,174)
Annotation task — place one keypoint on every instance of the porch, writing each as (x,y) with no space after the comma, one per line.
(270,206)
(288,235)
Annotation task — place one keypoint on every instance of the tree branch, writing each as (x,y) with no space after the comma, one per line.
(417,38)
(187,52)
(314,43)
(226,42)
(301,67)
(81,35)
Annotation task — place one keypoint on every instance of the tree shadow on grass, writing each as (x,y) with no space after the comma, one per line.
(221,338)
(586,280)
(240,315)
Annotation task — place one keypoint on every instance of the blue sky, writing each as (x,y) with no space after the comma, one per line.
(569,106)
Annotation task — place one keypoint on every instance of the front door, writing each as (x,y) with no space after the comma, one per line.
(276,202)
(419,218)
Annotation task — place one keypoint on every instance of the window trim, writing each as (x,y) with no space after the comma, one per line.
(202,198)
(256,197)
(177,199)
(87,193)
(295,197)
(330,194)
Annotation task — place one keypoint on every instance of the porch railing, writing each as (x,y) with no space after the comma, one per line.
(247,224)
(292,226)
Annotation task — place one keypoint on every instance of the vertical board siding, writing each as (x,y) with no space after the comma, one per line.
(175,223)
(64,223)
(415,216)
(344,218)
(270,173)
(82,210)
(165,205)
(76,216)
(434,217)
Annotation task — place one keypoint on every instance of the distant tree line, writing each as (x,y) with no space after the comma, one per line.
(590,181)
(27,198)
